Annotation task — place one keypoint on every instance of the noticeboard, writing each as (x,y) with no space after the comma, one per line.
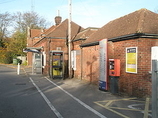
(131,59)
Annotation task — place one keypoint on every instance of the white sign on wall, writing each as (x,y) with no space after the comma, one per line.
(73,59)
(154,53)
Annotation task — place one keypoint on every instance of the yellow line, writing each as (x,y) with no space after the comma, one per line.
(117,99)
(112,110)
(126,109)
(107,104)
(136,100)
(25,72)
(117,113)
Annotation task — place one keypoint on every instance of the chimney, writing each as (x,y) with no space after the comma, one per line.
(58,19)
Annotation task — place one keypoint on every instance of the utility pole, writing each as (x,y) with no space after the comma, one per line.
(32,5)
(69,40)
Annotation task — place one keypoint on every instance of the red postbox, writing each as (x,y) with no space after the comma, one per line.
(114,67)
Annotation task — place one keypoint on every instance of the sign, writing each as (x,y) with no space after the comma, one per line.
(103,65)
(154,53)
(131,59)
(57,53)
(73,59)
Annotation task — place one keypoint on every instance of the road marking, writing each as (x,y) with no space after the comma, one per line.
(107,104)
(79,101)
(132,106)
(109,108)
(46,99)
(120,100)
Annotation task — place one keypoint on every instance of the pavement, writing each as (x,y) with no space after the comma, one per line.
(88,93)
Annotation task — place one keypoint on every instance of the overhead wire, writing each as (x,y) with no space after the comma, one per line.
(87,10)
(7,1)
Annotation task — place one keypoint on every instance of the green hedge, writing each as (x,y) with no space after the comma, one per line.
(5,56)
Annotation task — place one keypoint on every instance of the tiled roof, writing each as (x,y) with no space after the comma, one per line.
(34,32)
(141,21)
(86,33)
(62,30)
(49,30)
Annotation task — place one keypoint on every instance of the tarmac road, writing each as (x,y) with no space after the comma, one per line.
(36,96)
(19,98)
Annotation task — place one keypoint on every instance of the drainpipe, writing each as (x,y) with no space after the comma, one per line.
(49,65)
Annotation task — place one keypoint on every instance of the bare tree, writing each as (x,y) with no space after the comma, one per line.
(29,19)
(5,23)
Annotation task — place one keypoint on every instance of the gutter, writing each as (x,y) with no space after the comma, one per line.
(90,44)
(81,39)
(134,36)
(125,37)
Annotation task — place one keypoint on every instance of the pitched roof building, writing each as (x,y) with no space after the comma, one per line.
(139,23)
(138,31)
(54,38)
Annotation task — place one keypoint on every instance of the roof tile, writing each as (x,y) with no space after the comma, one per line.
(140,21)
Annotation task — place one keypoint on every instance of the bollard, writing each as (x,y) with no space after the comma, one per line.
(18,69)
(146,108)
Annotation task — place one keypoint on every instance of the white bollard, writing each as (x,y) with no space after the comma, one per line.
(18,69)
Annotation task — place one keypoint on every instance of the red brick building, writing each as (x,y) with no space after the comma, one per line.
(138,29)
(76,42)
(54,38)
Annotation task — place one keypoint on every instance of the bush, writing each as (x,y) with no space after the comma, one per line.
(5,56)
(8,58)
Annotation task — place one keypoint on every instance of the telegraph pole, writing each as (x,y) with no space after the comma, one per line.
(69,40)
(32,5)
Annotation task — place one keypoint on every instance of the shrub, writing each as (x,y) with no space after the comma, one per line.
(5,56)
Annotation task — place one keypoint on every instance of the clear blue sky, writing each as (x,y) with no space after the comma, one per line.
(87,13)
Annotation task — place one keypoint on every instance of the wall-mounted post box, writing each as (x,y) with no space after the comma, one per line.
(114,67)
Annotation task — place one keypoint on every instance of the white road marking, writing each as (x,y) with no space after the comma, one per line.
(47,101)
(133,106)
(79,101)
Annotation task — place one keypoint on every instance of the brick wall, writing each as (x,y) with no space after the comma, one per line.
(29,54)
(76,47)
(90,64)
(52,44)
(138,84)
